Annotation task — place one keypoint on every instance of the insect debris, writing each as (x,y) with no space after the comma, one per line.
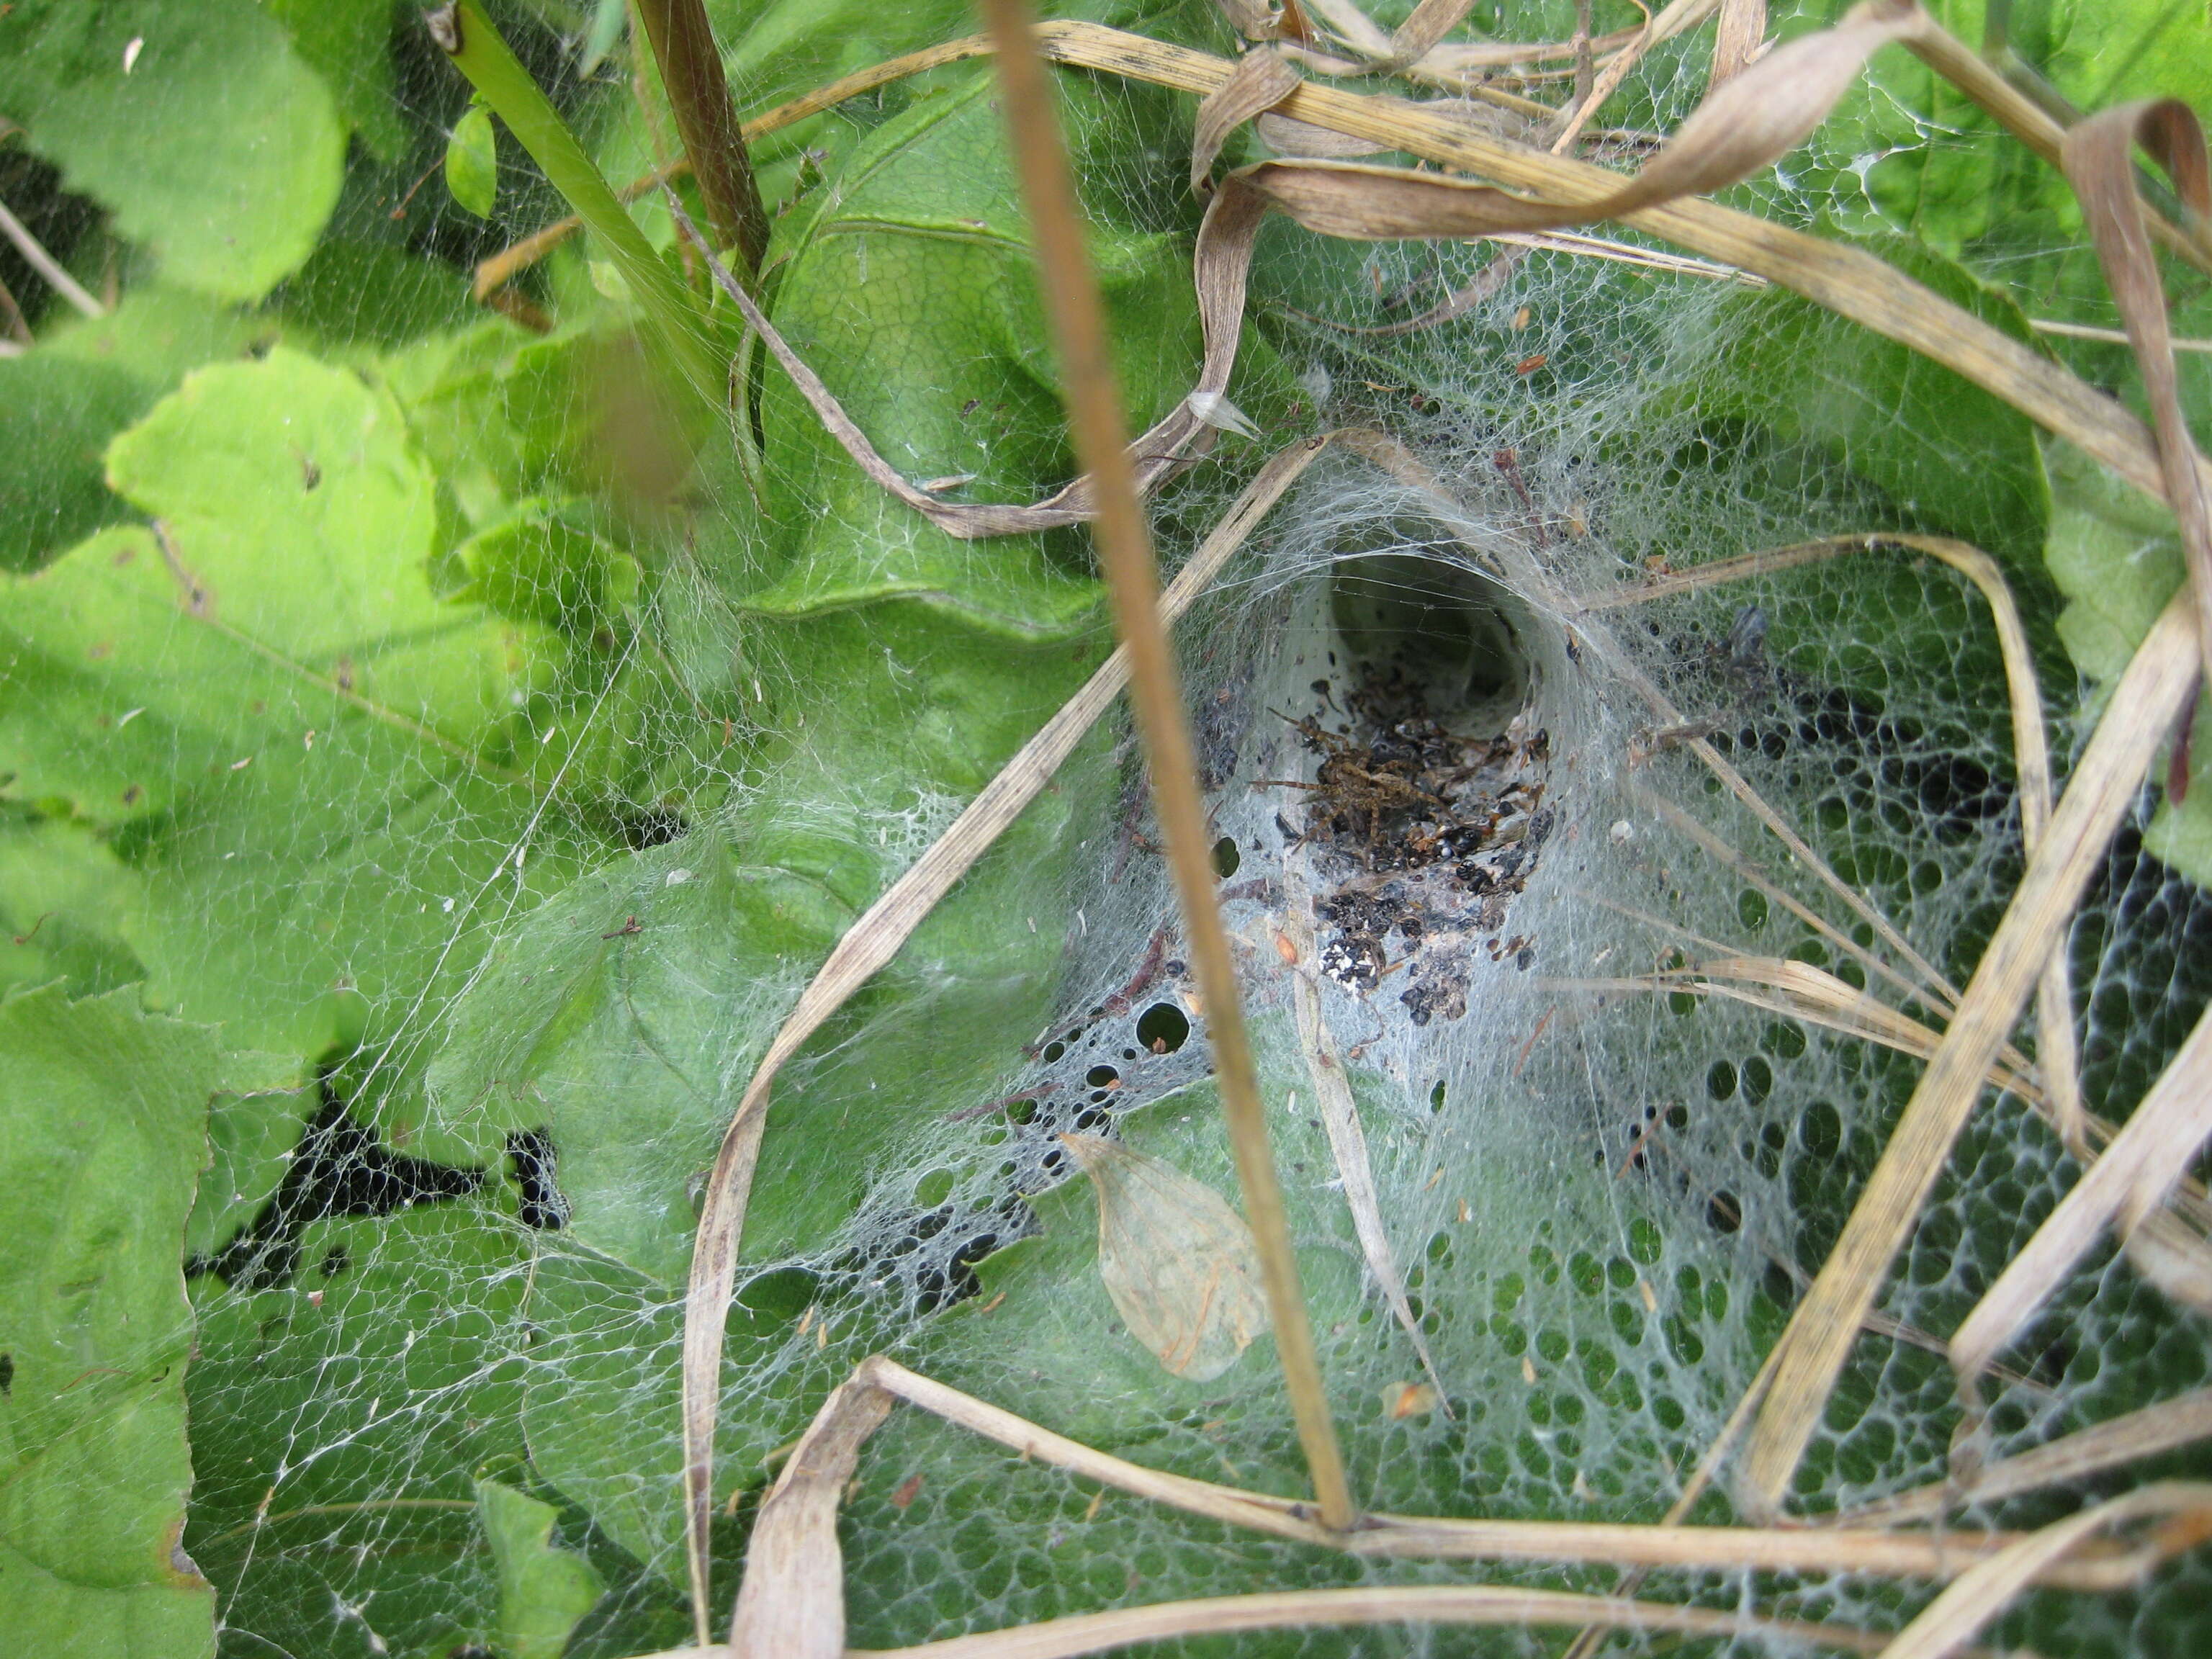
(1420,833)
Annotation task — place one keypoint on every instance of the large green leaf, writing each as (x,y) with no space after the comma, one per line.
(306,757)
(62,402)
(901,666)
(418,1314)
(103,1134)
(213,144)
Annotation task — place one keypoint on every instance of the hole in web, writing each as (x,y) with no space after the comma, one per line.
(1163,1028)
(1444,634)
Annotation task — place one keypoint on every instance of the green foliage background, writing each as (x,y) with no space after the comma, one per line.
(323,586)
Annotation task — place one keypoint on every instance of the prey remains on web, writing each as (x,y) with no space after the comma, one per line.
(1420,836)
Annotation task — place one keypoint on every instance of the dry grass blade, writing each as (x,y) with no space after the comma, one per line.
(1426,26)
(2098,156)
(2105,336)
(1470,1604)
(1262,79)
(1836,1007)
(1953,1619)
(1164,449)
(2148,697)
(1737,40)
(1124,543)
(2164,1427)
(872,941)
(1339,1116)
(1741,127)
(792,1602)
(1877,1554)
(56,276)
(2131,1179)
(1678,15)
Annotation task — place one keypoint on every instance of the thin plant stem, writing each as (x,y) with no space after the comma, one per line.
(1124,544)
(466,36)
(35,255)
(691,70)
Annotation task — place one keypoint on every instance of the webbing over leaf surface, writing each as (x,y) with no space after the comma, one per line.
(747,703)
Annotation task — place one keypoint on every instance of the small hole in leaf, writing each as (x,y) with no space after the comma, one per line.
(1226,857)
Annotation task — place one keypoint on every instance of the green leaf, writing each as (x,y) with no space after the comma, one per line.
(103,1133)
(63,899)
(2115,554)
(348,43)
(308,758)
(215,147)
(544,1590)
(62,401)
(473,162)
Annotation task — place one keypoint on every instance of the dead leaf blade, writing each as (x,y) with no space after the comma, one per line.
(1179,1263)
(2154,1147)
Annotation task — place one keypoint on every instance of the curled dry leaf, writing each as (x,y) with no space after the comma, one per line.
(1179,1263)
(1262,79)
(1743,125)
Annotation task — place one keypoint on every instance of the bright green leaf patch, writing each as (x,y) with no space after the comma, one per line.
(544,1590)
(215,145)
(87,380)
(103,1134)
(262,706)
(473,162)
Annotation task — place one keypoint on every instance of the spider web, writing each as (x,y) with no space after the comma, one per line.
(518,856)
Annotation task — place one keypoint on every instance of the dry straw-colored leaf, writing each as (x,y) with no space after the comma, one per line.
(1743,126)
(1261,80)
(1977,1596)
(1179,1263)
(2099,155)
(792,1602)
(2167,1426)
(1337,1609)
(1739,37)
(1170,444)
(1904,1554)
(1852,283)
(1339,1115)
(2121,1190)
